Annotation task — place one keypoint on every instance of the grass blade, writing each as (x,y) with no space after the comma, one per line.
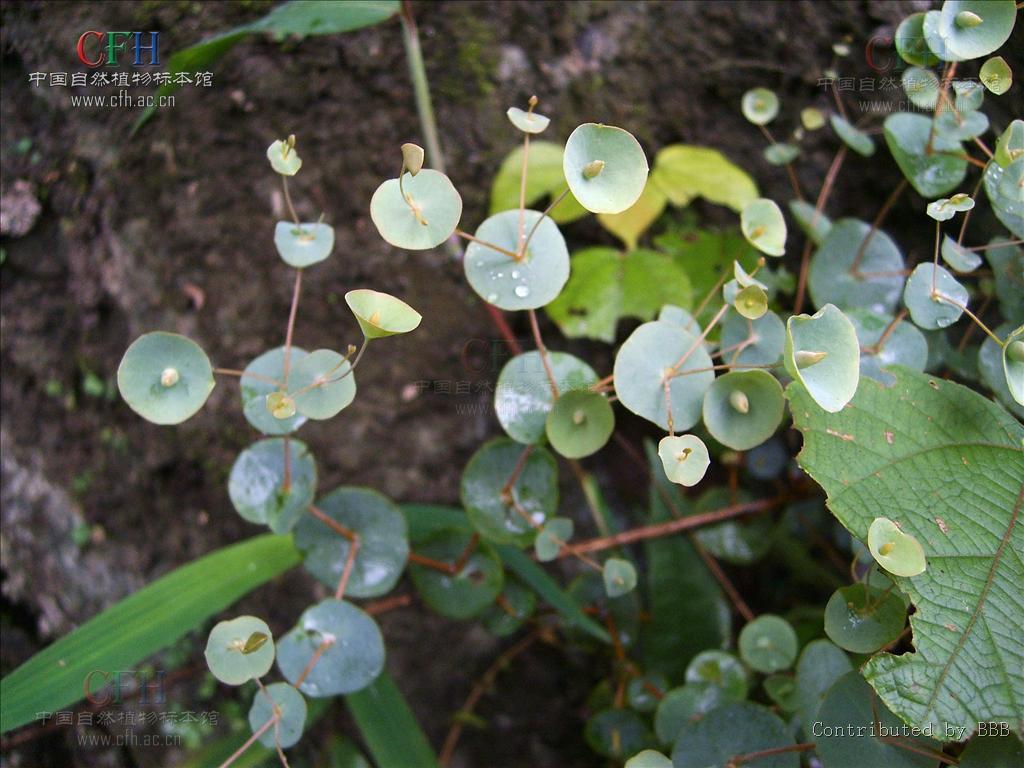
(140,625)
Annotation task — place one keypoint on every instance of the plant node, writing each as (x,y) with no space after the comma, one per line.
(169,377)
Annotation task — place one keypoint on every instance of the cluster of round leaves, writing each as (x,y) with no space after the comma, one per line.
(779,690)
(336,648)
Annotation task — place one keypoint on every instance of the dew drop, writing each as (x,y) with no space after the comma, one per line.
(522,291)
(515,274)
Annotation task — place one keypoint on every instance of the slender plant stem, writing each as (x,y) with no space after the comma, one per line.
(789,166)
(720,575)
(485,683)
(876,225)
(947,80)
(819,208)
(658,530)
(967,215)
(521,243)
(1001,244)
(543,353)
(424,104)
(249,742)
(750,757)
(485,244)
(697,342)
(544,215)
(288,201)
(290,330)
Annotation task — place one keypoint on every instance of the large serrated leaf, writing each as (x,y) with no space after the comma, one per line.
(947,465)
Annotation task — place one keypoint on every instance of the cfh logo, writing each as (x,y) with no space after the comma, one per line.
(96,49)
(102,687)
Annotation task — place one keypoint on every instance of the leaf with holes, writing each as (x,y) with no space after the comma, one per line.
(946,465)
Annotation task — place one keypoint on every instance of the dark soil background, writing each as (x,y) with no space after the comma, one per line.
(106,237)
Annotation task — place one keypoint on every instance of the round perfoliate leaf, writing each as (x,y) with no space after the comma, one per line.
(760,106)
(751,302)
(731,730)
(508,497)
(523,396)
(648,759)
(863,620)
(1013,364)
(509,612)
(619,577)
(383,548)
(165,377)
(280,405)
(240,650)
(605,167)
(897,552)
(934,297)
(836,275)
(580,423)
(683,704)
(643,692)
(721,669)
(945,208)
(459,595)
(968,97)
(514,284)
(685,458)
(850,721)
(663,365)
(823,354)
(381,314)
(812,119)
(287,704)
(958,257)
(348,645)
(256,483)
(752,342)
(302,245)
(1010,144)
(911,44)
(768,644)
(764,227)
(527,121)
(780,154)
(322,384)
(424,217)
(853,137)
(931,161)
(743,408)
(283,157)
(257,383)
(996,75)
(902,344)
(617,733)
(922,87)
(552,537)
(971,29)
